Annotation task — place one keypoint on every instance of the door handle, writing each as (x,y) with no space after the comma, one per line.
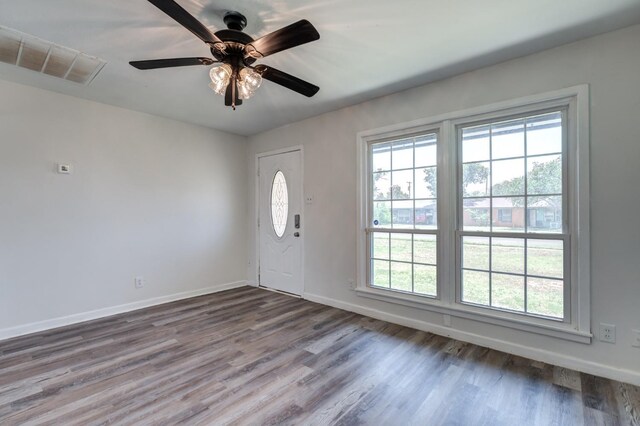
(297,221)
(296,234)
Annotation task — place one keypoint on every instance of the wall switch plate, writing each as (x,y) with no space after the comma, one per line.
(64,169)
(607,333)
(636,338)
(139,282)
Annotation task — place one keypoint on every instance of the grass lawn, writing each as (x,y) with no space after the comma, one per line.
(490,281)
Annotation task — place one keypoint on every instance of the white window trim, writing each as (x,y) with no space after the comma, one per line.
(576,98)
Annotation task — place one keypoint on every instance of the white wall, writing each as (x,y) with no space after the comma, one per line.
(610,63)
(148,197)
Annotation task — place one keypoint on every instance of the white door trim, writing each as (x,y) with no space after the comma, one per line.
(257,208)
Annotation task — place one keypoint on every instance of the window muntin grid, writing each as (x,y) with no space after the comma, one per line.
(497,176)
(514,165)
(403,218)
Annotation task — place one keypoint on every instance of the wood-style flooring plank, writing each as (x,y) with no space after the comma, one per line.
(254,357)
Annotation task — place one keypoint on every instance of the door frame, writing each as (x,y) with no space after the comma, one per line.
(256,228)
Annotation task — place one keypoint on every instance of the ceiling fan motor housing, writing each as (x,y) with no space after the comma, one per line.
(234,41)
(235,20)
(233,37)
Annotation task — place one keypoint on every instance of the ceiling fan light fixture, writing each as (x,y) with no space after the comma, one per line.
(248,83)
(220,76)
(235,78)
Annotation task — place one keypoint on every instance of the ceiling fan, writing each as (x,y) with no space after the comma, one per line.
(236,77)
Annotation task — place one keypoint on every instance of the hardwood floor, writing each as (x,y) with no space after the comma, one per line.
(249,356)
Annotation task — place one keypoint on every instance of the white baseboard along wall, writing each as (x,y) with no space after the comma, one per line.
(35,327)
(622,375)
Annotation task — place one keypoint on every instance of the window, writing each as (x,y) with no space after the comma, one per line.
(279,204)
(514,257)
(482,214)
(402,227)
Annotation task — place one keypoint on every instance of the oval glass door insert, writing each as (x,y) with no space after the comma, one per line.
(279,204)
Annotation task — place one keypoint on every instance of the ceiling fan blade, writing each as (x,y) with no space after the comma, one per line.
(184,18)
(293,35)
(168,63)
(287,80)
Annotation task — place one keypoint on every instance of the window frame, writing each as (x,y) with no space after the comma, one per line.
(576,325)
(563,236)
(369,230)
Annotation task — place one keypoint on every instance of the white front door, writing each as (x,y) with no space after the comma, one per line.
(280,222)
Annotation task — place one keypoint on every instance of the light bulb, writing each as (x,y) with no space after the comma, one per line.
(248,83)
(220,76)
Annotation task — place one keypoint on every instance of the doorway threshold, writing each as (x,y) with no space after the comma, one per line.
(297,296)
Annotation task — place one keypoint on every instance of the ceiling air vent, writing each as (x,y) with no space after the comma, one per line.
(42,56)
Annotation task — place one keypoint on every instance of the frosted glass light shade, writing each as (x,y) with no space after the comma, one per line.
(220,76)
(220,87)
(248,83)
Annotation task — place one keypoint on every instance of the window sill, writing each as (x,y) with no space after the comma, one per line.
(560,330)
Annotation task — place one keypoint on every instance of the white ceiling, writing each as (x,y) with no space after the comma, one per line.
(368,48)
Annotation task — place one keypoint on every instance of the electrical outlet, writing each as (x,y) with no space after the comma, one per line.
(636,338)
(139,282)
(607,333)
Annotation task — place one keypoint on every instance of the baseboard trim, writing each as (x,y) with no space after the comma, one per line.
(35,327)
(621,375)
